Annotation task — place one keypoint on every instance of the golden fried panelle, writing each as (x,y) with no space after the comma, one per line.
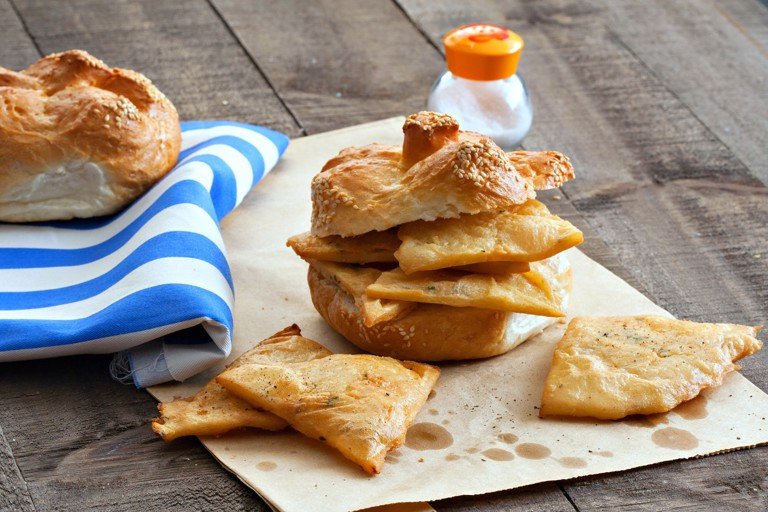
(529,292)
(214,410)
(378,247)
(432,332)
(523,233)
(362,405)
(612,367)
(372,247)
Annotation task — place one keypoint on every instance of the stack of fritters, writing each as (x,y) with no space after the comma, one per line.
(437,250)
(360,404)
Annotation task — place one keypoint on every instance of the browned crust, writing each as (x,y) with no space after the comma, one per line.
(426,132)
(439,172)
(377,187)
(545,169)
(71,107)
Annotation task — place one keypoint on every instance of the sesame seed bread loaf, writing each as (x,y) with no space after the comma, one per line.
(433,332)
(80,139)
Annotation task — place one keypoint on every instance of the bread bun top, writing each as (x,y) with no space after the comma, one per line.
(440,172)
(68,111)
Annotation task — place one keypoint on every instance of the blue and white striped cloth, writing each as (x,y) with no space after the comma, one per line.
(151,282)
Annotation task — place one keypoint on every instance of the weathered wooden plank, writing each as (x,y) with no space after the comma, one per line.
(337,63)
(535,498)
(182,46)
(13,489)
(750,17)
(727,482)
(714,56)
(17,50)
(83,442)
(686,218)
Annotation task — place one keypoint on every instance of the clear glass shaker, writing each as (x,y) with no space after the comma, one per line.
(481,88)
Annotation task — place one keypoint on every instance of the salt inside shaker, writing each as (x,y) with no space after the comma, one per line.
(480,88)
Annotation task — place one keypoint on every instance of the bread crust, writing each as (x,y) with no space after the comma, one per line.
(440,172)
(375,187)
(545,169)
(70,117)
(428,332)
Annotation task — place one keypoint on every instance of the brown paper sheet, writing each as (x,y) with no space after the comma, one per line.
(484,413)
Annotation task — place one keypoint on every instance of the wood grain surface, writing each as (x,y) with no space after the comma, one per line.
(16,47)
(337,70)
(181,45)
(662,107)
(14,494)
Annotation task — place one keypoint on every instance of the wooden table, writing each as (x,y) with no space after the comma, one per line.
(662,106)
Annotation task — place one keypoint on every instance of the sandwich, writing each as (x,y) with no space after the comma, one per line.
(438,250)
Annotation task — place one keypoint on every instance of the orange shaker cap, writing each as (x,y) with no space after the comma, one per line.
(482,51)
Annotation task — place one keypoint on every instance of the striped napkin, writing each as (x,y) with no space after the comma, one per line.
(151,282)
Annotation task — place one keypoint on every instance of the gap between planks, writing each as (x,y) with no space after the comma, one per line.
(256,65)
(25,27)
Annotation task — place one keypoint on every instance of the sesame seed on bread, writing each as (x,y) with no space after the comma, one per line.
(439,172)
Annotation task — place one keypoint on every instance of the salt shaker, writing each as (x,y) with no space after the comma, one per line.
(480,88)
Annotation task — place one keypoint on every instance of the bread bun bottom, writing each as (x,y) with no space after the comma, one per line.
(433,332)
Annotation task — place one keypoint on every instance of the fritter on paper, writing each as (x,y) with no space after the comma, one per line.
(362,405)
(213,410)
(612,367)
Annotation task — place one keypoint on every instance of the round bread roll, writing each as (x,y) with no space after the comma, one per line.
(80,139)
(432,332)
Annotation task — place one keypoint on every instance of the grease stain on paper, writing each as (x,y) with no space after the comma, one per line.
(508,438)
(695,409)
(266,465)
(428,436)
(498,454)
(572,462)
(533,451)
(393,458)
(675,439)
(650,421)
